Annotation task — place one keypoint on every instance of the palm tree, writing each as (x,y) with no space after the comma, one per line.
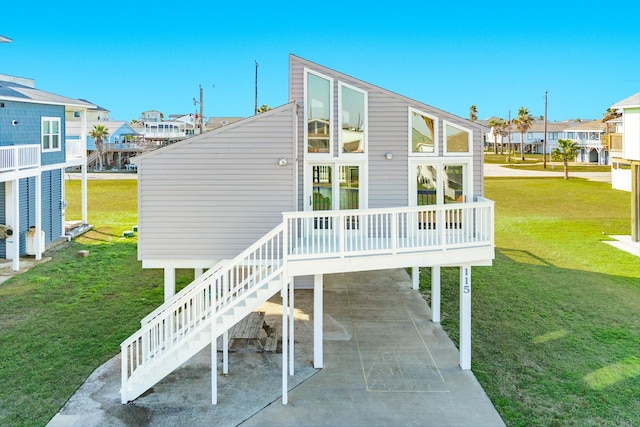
(523,122)
(565,151)
(610,114)
(98,133)
(473,113)
(263,108)
(497,126)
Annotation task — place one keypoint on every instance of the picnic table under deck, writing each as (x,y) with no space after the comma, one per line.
(249,330)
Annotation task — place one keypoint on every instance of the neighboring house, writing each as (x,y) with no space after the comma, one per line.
(122,144)
(98,114)
(345,177)
(533,138)
(33,155)
(624,145)
(588,136)
(157,132)
(191,122)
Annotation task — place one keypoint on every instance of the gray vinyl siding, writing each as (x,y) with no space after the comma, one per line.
(213,195)
(388,131)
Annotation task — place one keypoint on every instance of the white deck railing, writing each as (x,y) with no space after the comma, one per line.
(75,149)
(303,236)
(17,157)
(350,233)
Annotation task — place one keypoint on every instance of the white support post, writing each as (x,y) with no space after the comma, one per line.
(317,321)
(37,237)
(15,201)
(225,351)
(465,317)
(291,330)
(83,191)
(415,277)
(197,272)
(285,343)
(169,283)
(435,294)
(83,167)
(214,363)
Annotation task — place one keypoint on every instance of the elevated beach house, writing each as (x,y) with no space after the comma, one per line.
(624,145)
(345,177)
(33,155)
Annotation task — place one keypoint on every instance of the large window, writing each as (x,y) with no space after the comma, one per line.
(440,182)
(423,130)
(353,118)
(50,134)
(318,106)
(457,139)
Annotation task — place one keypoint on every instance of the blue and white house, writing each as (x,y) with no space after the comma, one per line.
(345,177)
(122,143)
(33,155)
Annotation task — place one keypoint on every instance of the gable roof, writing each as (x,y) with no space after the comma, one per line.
(13,91)
(591,125)
(632,101)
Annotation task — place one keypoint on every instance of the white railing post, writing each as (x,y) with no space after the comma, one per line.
(394,232)
(342,223)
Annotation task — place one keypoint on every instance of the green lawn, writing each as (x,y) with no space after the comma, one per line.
(556,334)
(555,329)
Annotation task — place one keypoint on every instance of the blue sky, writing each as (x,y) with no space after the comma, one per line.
(498,56)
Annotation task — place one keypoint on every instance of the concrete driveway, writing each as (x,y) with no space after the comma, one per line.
(386,364)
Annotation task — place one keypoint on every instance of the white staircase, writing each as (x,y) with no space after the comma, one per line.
(197,315)
(306,243)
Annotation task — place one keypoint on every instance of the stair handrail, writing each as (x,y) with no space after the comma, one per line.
(183,292)
(191,307)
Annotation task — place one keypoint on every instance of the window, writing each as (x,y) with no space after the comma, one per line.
(50,134)
(318,113)
(529,135)
(423,133)
(353,119)
(457,139)
(76,114)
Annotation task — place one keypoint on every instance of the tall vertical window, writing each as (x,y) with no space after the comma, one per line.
(423,131)
(50,134)
(352,119)
(318,106)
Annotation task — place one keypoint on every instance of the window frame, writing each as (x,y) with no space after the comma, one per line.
(314,155)
(436,133)
(439,165)
(365,133)
(50,120)
(469,132)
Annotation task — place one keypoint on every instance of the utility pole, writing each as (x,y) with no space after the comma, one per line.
(255,107)
(509,138)
(544,141)
(201,109)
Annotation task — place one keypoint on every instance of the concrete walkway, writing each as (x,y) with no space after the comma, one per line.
(554,170)
(385,364)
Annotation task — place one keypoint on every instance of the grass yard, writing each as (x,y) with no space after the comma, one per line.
(556,327)
(556,335)
(64,318)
